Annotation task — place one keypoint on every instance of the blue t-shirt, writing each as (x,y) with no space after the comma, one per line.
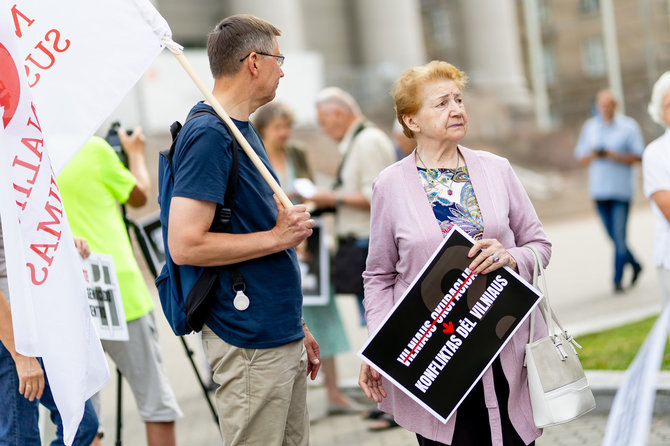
(202,162)
(608,179)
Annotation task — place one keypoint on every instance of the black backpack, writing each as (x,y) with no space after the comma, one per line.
(188,313)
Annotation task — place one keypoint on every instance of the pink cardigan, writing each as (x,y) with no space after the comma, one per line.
(403,235)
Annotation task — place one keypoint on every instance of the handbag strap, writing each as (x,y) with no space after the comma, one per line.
(542,288)
(540,283)
(338,178)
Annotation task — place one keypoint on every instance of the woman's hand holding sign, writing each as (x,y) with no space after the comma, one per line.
(490,256)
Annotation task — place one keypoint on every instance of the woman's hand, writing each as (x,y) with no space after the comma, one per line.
(371,382)
(490,256)
(31,377)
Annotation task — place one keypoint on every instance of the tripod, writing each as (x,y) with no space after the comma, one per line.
(153,268)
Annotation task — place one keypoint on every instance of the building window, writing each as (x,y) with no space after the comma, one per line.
(549,65)
(588,6)
(593,57)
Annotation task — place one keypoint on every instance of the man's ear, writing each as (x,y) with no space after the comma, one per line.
(251,64)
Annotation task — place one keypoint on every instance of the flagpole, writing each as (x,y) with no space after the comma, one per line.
(178,52)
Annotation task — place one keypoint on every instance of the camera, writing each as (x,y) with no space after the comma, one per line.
(600,151)
(113,139)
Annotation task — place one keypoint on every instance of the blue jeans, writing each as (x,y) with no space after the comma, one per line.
(614,214)
(19,417)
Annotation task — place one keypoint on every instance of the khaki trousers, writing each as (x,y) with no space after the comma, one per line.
(262,394)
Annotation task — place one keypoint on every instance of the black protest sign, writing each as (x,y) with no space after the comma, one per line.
(448,327)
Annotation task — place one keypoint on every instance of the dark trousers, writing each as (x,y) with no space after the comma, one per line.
(614,215)
(472,417)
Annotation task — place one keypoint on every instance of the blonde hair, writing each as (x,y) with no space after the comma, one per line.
(655,108)
(407,89)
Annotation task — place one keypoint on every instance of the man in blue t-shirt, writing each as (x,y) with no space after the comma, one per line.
(610,145)
(260,354)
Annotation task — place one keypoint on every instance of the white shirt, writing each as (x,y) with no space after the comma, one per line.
(370,151)
(656,176)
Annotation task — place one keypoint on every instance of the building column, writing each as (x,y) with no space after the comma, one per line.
(493,50)
(287,17)
(610,40)
(390,34)
(536,63)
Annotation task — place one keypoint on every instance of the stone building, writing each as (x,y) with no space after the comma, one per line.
(366,44)
(575,56)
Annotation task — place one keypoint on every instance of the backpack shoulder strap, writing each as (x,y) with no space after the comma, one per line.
(176,127)
(222,221)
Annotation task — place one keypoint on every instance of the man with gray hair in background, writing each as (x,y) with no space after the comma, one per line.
(366,151)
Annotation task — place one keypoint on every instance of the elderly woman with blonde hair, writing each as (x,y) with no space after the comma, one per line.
(656,174)
(415,203)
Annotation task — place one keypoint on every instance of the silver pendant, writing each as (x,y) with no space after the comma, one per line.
(241,301)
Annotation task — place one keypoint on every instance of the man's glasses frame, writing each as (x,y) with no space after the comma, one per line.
(280,58)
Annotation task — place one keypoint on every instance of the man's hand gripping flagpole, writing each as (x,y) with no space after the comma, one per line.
(178,52)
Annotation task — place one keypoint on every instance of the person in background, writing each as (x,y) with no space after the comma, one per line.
(24,384)
(401,143)
(274,121)
(610,144)
(366,151)
(656,180)
(415,203)
(92,185)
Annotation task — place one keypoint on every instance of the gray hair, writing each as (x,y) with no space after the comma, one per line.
(655,108)
(338,98)
(234,38)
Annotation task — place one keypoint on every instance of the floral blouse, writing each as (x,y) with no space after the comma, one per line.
(459,207)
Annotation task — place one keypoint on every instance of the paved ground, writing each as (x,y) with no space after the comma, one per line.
(579,280)
(588,431)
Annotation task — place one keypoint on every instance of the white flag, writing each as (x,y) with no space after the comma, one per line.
(632,410)
(81,58)
(64,66)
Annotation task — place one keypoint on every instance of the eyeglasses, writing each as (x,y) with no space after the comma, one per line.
(280,58)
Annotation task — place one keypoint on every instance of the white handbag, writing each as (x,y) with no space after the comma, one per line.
(559,391)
